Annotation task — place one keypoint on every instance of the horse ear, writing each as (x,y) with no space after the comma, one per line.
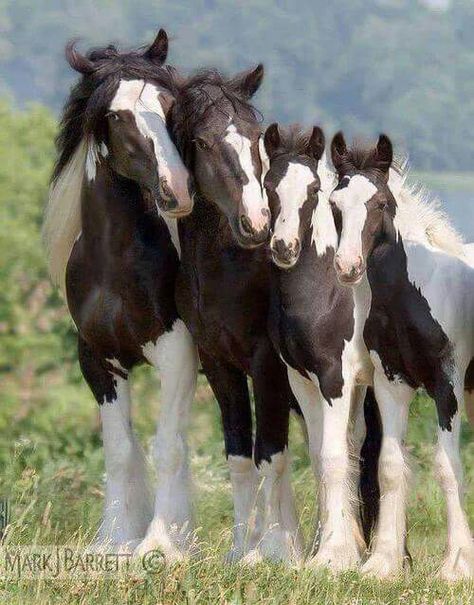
(77,61)
(272,139)
(338,150)
(249,82)
(316,143)
(384,153)
(158,50)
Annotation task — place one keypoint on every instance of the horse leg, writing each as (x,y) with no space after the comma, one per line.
(341,542)
(459,559)
(393,398)
(308,396)
(230,388)
(368,436)
(127,509)
(280,535)
(174,355)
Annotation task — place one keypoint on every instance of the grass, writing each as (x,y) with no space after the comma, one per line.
(52,470)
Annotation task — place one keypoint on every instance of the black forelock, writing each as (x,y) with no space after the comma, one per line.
(294,139)
(361,157)
(195,96)
(91,96)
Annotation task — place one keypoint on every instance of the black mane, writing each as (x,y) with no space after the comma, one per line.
(202,91)
(91,96)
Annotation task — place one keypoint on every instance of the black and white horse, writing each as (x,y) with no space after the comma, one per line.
(318,334)
(223,296)
(409,268)
(111,234)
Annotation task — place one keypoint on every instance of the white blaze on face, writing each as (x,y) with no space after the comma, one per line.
(351,201)
(292,192)
(143,100)
(253,200)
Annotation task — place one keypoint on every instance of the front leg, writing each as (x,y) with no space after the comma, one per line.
(393,398)
(171,529)
(230,388)
(340,543)
(128,506)
(281,538)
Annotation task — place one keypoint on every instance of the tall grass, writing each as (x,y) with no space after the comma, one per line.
(52,472)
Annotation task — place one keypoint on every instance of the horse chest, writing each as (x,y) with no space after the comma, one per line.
(121,301)
(312,319)
(222,296)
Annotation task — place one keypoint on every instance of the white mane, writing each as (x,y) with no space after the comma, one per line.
(420,217)
(62,221)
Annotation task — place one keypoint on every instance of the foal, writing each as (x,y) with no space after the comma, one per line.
(113,248)
(223,296)
(399,254)
(316,331)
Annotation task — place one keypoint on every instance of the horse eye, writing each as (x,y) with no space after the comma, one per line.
(202,145)
(112,116)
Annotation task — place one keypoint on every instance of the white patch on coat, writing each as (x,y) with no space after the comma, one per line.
(253,200)
(244,480)
(292,192)
(143,100)
(280,537)
(174,355)
(351,201)
(116,364)
(128,505)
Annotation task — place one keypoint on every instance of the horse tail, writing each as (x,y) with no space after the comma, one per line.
(369,488)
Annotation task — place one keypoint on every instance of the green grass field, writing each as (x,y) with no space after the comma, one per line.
(52,470)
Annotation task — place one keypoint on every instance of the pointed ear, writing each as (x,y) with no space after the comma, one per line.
(77,61)
(158,50)
(316,143)
(272,139)
(247,83)
(338,150)
(384,153)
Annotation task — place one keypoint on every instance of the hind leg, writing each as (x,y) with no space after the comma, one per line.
(459,559)
(231,391)
(170,531)
(127,509)
(281,539)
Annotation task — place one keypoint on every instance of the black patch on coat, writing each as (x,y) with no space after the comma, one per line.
(401,329)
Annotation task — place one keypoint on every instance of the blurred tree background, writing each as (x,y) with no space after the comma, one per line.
(402,66)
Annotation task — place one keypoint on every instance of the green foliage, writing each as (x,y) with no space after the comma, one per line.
(362,65)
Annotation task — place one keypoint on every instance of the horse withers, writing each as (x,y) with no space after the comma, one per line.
(399,253)
(111,236)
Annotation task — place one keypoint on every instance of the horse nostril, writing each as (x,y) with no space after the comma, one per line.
(296,247)
(246,225)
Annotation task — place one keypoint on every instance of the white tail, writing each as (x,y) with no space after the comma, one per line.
(62,221)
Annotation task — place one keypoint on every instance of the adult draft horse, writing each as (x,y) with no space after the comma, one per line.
(316,330)
(223,296)
(399,253)
(115,254)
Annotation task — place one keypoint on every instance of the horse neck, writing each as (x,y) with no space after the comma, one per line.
(111,207)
